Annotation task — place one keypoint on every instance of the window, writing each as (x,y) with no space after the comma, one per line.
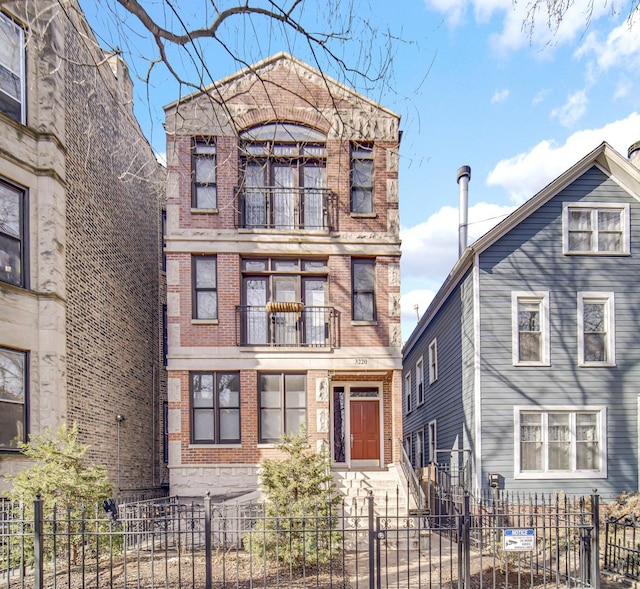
(596,329)
(596,228)
(215,407)
(419,458)
(530,324)
(558,441)
(361,179)
(419,382)
(13,398)
(165,432)
(285,302)
(283,174)
(433,444)
(205,290)
(433,361)
(12,234)
(203,170)
(11,69)
(407,392)
(283,405)
(363,281)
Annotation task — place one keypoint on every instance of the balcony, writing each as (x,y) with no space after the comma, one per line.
(268,207)
(303,327)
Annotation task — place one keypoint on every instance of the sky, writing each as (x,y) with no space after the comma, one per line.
(473,82)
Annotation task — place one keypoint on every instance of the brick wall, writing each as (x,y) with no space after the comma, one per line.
(112,264)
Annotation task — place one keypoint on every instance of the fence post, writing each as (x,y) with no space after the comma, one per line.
(466,539)
(372,540)
(595,540)
(38,557)
(207,540)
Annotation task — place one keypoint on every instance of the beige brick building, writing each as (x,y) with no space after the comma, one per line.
(80,263)
(283,281)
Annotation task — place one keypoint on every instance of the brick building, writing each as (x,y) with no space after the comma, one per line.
(80,263)
(283,277)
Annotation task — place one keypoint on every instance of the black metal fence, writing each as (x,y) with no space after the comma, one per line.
(622,547)
(505,541)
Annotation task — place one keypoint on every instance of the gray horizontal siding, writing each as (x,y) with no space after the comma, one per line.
(444,399)
(530,258)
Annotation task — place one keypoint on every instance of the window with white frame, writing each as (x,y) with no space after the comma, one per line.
(560,442)
(433,441)
(13,398)
(530,325)
(419,454)
(433,361)
(205,287)
(12,64)
(419,382)
(407,392)
(203,171)
(596,329)
(596,228)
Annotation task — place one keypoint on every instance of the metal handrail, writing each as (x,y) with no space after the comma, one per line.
(413,483)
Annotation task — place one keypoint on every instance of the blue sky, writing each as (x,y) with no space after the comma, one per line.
(472,86)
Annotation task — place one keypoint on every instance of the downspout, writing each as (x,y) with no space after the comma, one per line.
(463,177)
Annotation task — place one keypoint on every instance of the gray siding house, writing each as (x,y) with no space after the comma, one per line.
(525,369)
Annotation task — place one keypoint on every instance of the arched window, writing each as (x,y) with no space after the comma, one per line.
(283,177)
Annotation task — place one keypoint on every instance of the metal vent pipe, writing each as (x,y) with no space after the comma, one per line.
(463,177)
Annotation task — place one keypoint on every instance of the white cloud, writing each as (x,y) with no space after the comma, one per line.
(408,303)
(621,48)
(430,249)
(573,110)
(540,96)
(519,29)
(526,173)
(500,96)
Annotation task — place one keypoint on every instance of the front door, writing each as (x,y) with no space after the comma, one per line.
(365,430)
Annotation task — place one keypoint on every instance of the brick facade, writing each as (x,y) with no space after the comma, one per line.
(361,353)
(89,315)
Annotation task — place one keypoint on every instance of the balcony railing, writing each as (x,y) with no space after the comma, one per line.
(310,327)
(286,208)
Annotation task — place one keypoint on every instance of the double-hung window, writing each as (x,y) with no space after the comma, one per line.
(407,392)
(204,169)
(12,67)
(433,361)
(205,287)
(215,407)
(530,325)
(13,398)
(361,179)
(419,458)
(282,405)
(12,234)
(560,442)
(419,382)
(596,229)
(596,329)
(363,284)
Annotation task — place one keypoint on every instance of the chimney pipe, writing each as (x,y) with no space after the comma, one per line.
(634,154)
(463,177)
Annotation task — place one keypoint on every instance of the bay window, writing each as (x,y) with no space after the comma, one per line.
(12,69)
(13,398)
(12,234)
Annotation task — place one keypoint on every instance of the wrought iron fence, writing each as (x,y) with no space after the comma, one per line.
(494,542)
(622,547)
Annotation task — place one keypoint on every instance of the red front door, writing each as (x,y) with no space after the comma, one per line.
(365,430)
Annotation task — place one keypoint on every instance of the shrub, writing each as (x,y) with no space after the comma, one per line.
(301,505)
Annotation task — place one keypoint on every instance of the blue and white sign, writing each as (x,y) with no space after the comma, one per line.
(519,539)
